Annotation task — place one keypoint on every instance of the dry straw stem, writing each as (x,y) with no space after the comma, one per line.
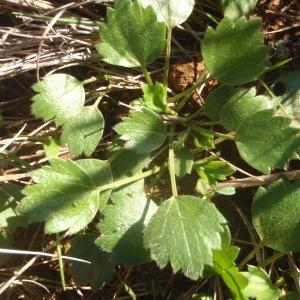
(260,180)
(66,42)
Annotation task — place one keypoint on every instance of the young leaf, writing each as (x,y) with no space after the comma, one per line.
(216,100)
(100,270)
(51,147)
(83,133)
(184,230)
(234,9)
(276,215)
(60,96)
(233,52)
(241,105)
(143,131)
(266,141)
(155,97)
(65,195)
(183,161)
(172,12)
(224,265)
(124,223)
(133,37)
(260,286)
(290,100)
(211,171)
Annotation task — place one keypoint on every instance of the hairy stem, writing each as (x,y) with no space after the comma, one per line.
(147,75)
(60,262)
(128,180)
(172,163)
(168,56)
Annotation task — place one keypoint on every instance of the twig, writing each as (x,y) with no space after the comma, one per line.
(259,180)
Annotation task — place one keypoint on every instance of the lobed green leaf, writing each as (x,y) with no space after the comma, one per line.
(60,96)
(143,131)
(266,141)
(124,223)
(242,104)
(172,12)
(233,53)
(260,286)
(65,195)
(132,37)
(290,100)
(83,133)
(276,215)
(184,230)
(216,100)
(234,9)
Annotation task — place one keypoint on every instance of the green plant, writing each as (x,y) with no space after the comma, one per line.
(186,231)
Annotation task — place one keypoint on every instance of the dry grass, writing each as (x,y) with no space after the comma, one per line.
(38,37)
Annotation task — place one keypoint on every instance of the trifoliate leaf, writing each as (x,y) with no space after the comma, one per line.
(211,171)
(124,223)
(218,169)
(143,131)
(51,147)
(260,286)
(83,133)
(183,161)
(60,96)
(241,105)
(155,97)
(65,195)
(290,100)
(100,270)
(266,141)
(172,12)
(276,215)
(233,52)
(184,230)
(203,139)
(216,100)
(234,9)
(133,37)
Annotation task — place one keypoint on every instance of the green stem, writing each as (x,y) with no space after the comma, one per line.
(278,65)
(147,75)
(190,90)
(272,95)
(271,259)
(224,136)
(172,163)
(128,180)
(60,262)
(168,56)
(229,136)
(251,254)
(89,80)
